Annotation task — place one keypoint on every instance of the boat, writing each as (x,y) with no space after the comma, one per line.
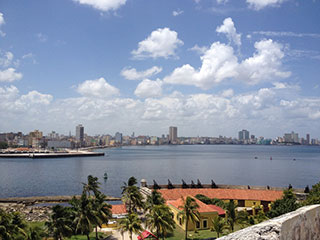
(105,176)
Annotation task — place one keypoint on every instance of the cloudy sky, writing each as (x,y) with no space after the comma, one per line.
(210,67)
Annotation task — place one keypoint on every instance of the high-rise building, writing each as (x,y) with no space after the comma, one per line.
(243,135)
(308,138)
(79,134)
(291,137)
(118,137)
(173,134)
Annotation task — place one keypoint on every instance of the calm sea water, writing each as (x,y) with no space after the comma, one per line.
(225,164)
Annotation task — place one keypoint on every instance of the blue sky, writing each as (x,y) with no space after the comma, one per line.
(210,67)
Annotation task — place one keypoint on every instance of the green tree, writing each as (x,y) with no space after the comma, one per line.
(207,200)
(131,224)
(35,233)
(131,195)
(189,212)
(3,145)
(314,195)
(154,199)
(288,203)
(218,225)
(60,223)
(231,214)
(12,226)
(160,219)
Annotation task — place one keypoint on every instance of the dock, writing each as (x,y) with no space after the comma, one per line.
(50,154)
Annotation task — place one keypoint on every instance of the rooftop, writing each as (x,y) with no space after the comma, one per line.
(223,194)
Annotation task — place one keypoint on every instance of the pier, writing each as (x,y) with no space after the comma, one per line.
(47,154)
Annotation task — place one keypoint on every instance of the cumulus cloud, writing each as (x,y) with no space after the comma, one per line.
(97,88)
(222,1)
(265,64)
(260,4)
(222,113)
(9,75)
(161,43)
(2,22)
(230,31)
(133,74)
(200,50)
(177,12)
(6,59)
(34,97)
(148,89)
(218,63)
(103,5)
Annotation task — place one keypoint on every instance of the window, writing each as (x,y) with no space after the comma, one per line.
(197,224)
(180,221)
(205,224)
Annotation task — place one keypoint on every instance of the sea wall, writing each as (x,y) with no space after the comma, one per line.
(302,224)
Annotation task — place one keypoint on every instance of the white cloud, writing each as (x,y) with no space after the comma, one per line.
(42,37)
(260,4)
(218,63)
(103,5)
(34,97)
(229,29)
(287,34)
(6,59)
(200,50)
(97,88)
(222,1)
(265,64)
(2,22)
(133,74)
(9,75)
(227,93)
(148,89)
(177,12)
(161,43)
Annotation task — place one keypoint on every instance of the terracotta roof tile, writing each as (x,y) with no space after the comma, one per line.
(203,208)
(118,209)
(223,194)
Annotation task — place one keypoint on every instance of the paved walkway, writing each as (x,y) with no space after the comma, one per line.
(116,235)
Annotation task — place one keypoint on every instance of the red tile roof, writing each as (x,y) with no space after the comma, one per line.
(220,210)
(118,209)
(223,194)
(203,208)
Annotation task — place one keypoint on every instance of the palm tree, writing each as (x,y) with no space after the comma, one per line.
(60,223)
(160,218)
(102,209)
(218,225)
(85,216)
(131,224)
(12,226)
(35,233)
(154,199)
(231,214)
(131,195)
(189,213)
(92,185)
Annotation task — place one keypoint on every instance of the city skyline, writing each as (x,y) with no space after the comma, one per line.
(209,67)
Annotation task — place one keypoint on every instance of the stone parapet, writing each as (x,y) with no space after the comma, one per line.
(302,224)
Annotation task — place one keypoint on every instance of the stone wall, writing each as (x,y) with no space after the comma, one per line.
(302,224)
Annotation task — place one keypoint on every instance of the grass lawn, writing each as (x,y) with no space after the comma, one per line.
(178,234)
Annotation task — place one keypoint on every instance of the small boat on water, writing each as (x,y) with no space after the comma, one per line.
(270,158)
(105,176)
(255,157)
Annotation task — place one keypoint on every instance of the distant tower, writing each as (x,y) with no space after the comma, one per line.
(244,135)
(173,134)
(308,138)
(80,134)
(118,137)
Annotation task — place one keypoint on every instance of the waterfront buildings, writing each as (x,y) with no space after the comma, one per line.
(118,137)
(173,135)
